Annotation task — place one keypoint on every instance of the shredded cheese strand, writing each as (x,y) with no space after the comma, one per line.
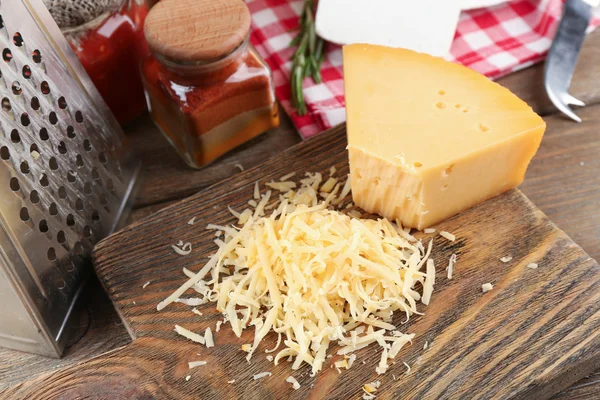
(313,275)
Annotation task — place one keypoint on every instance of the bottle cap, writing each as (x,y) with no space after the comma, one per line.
(196,30)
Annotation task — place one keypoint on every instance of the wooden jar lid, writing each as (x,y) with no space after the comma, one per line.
(196,30)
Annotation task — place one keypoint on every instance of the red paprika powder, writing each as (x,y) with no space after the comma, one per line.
(207,91)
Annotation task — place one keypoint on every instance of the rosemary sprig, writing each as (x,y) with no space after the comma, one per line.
(307,59)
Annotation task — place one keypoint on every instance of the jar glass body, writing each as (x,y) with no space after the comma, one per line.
(110,49)
(207,109)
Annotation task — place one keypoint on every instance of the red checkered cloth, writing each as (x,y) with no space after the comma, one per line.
(494,41)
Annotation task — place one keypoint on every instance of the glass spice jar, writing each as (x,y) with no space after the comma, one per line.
(110,47)
(207,91)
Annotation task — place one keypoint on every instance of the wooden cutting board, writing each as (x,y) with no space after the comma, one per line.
(536,332)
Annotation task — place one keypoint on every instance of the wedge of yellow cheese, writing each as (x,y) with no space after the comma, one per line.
(428,138)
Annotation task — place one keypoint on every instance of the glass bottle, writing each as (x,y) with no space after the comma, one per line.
(207,91)
(110,48)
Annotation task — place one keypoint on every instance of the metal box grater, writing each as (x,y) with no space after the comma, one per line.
(65,177)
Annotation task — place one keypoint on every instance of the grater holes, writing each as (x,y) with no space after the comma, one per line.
(34,150)
(110,185)
(36,55)
(45,88)
(26,71)
(95,174)
(24,167)
(103,200)
(53,164)
(78,116)
(61,237)
(14,184)
(70,220)
(25,121)
(62,192)
(4,153)
(53,118)
(43,226)
(95,216)
(1,22)
(24,214)
(7,55)
(15,137)
(79,204)
(35,103)
(87,188)
(18,39)
(72,267)
(62,147)
(60,283)
(87,145)
(16,88)
(62,103)
(102,158)
(51,254)
(44,180)
(6,104)
(71,176)
(44,134)
(53,209)
(78,248)
(71,132)
(34,197)
(79,161)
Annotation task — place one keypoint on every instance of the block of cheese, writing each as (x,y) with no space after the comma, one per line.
(428,138)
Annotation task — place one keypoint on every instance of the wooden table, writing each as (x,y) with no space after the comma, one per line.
(563,180)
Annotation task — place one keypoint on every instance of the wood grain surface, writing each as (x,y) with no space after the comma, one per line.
(535,333)
(585,389)
(563,180)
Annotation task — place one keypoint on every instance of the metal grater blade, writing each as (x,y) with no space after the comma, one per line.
(66,175)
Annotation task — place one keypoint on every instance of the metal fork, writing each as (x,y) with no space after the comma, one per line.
(564,52)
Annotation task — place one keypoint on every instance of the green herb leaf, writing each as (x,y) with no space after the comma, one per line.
(307,59)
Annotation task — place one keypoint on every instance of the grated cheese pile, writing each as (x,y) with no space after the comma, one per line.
(315,276)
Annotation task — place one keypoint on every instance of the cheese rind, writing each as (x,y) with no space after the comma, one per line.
(428,138)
